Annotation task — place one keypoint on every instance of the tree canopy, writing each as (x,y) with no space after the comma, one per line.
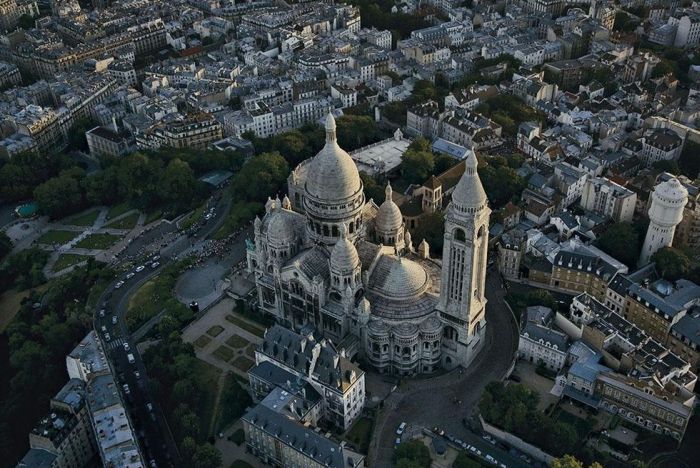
(672,263)
(514,408)
(412,453)
(268,170)
(621,241)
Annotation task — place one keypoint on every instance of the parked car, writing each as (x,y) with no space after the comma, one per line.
(126,346)
(114,319)
(155,265)
(119,284)
(102,312)
(140,268)
(401,428)
(130,275)
(107,337)
(126,388)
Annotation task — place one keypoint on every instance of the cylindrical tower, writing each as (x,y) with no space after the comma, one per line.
(665,213)
(333,192)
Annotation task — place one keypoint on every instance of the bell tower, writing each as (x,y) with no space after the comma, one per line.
(462,301)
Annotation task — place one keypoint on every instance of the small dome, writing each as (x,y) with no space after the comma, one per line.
(378,328)
(389,218)
(344,255)
(405,330)
(333,174)
(469,193)
(280,230)
(400,278)
(430,325)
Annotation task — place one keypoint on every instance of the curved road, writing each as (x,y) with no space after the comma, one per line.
(152,429)
(430,402)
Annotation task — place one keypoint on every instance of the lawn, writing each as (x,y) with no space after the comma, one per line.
(243,363)
(236,342)
(84,219)
(98,241)
(250,350)
(127,222)
(209,376)
(57,237)
(11,300)
(68,260)
(240,464)
(153,216)
(360,434)
(215,331)
(118,210)
(202,341)
(224,353)
(156,295)
(249,327)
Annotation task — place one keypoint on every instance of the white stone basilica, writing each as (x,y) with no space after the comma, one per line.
(324,256)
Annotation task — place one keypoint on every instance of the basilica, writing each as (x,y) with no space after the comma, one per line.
(326,258)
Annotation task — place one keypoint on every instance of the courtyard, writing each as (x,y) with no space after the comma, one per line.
(225,339)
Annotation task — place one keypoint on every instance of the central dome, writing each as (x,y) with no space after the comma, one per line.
(399,278)
(333,174)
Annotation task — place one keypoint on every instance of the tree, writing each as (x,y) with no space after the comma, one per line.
(178,183)
(59,196)
(431,228)
(663,68)
(621,241)
(207,456)
(25,22)
(5,245)
(672,263)
(464,461)
(502,184)
(413,451)
(356,131)
(417,165)
(569,461)
(371,187)
(689,162)
(268,170)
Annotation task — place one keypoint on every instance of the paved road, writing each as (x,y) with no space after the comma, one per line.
(430,402)
(151,426)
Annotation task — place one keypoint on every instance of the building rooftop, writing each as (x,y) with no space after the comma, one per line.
(312,444)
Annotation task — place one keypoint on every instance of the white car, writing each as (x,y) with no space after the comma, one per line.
(401,428)
(149,407)
(107,337)
(114,319)
(126,389)
(126,346)
(155,265)
(119,284)
(104,329)
(102,312)
(140,268)
(397,441)
(130,275)
(137,374)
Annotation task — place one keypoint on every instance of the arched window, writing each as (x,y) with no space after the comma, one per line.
(480,232)
(335,231)
(325,230)
(459,235)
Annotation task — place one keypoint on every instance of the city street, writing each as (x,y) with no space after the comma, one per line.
(445,400)
(151,426)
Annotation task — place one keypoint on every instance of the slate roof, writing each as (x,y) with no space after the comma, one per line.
(313,445)
(309,357)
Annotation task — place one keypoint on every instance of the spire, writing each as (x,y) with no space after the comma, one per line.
(388,192)
(469,193)
(330,128)
(286,203)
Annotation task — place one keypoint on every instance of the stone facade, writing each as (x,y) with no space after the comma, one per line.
(348,268)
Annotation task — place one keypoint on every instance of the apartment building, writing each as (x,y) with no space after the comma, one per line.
(190,131)
(660,145)
(539,342)
(340,382)
(606,198)
(278,440)
(657,307)
(65,436)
